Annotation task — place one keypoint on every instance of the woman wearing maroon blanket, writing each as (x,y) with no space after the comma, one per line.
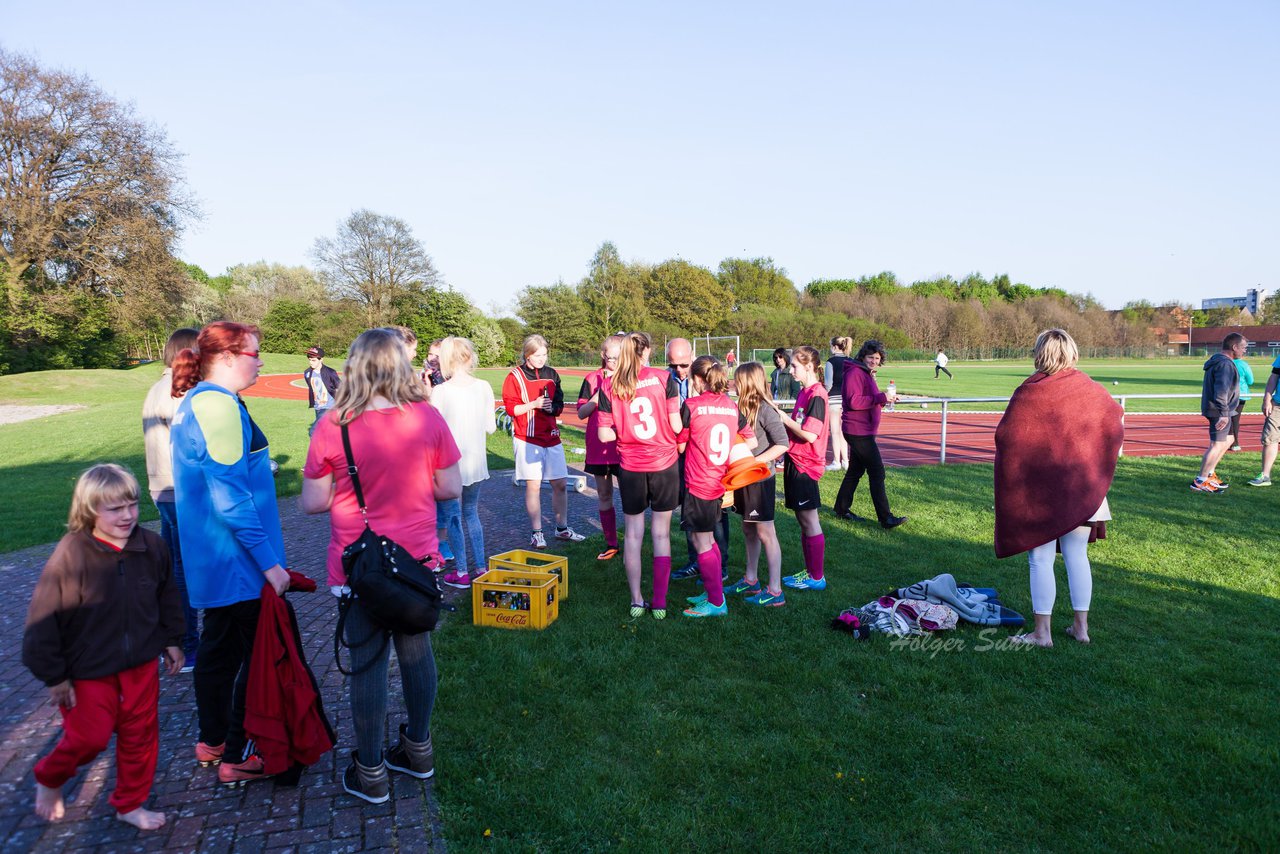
(640,410)
(1056,450)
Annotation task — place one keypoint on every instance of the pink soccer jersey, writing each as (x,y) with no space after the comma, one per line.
(598,453)
(646,441)
(711,421)
(811,411)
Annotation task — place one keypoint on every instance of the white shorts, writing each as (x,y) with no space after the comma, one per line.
(534,462)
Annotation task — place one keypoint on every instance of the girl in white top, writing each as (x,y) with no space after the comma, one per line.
(467,406)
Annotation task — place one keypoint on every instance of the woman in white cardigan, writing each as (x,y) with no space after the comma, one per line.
(467,405)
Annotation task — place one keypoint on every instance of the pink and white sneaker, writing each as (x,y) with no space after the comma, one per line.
(461,580)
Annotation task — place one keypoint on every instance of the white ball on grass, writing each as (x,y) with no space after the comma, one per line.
(1115,382)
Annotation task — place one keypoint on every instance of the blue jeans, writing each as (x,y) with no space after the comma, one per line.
(450,516)
(320,413)
(169,531)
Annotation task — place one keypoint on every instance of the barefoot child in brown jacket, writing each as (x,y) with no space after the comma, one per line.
(103,612)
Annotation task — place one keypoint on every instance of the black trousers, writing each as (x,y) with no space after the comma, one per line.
(721,532)
(937,368)
(222,674)
(864,456)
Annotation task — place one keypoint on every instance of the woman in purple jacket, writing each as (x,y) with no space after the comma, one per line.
(859,422)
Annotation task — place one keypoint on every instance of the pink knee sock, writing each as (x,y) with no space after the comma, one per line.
(609,524)
(814,549)
(661,580)
(709,569)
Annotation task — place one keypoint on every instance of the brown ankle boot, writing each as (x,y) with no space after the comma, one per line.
(368,783)
(414,758)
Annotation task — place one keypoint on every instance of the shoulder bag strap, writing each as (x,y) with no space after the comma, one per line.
(353,470)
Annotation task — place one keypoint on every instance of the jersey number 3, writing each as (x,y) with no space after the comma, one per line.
(645,427)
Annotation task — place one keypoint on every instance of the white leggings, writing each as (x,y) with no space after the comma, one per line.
(1075,554)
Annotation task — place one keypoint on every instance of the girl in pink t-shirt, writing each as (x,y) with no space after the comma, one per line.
(711,421)
(407,460)
(639,409)
(602,457)
(806,461)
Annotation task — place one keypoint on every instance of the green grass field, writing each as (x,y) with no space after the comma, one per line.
(45,455)
(768,731)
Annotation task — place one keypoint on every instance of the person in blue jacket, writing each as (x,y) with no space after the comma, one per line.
(229,525)
(1246,380)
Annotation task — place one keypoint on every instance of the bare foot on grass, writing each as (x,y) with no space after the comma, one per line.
(1081,635)
(1032,639)
(142,819)
(49,805)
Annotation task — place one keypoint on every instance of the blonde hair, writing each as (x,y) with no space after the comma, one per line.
(1055,351)
(842,343)
(531,345)
(810,356)
(98,487)
(753,391)
(630,361)
(711,372)
(616,338)
(457,355)
(377,365)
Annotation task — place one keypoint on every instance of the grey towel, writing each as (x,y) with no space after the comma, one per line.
(971,605)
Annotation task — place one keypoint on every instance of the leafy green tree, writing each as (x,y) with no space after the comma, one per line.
(557,313)
(488,339)
(974,286)
(756,281)
(821,287)
(91,206)
(434,313)
(513,332)
(687,296)
(881,284)
(289,326)
(612,293)
(943,286)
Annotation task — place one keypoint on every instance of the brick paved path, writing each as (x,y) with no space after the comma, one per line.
(202,816)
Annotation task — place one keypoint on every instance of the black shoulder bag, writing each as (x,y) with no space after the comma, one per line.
(398,591)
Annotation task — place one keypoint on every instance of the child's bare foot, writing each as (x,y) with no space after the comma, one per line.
(1082,635)
(142,819)
(49,805)
(1031,639)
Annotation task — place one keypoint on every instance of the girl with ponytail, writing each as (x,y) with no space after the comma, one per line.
(640,410)
(804,465)
(709,421)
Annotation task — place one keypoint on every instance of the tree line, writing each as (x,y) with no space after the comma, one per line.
(92,204)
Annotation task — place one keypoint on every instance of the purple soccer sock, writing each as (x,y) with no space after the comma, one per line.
(815,552)
(709,569)
(609,524)
(661,580)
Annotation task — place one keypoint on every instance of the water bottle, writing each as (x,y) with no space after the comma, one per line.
(893,390)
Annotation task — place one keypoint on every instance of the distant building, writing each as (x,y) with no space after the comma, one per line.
(1261,339)
(1251,302)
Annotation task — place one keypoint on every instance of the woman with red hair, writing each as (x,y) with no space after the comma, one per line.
(228,519)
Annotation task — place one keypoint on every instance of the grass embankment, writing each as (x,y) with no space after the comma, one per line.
(42,458)
(768,731)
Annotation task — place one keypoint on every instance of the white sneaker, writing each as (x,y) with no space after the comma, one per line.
(537,540)
(569,535)
(833,467)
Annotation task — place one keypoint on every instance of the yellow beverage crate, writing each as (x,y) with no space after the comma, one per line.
(515,600)
(523,560)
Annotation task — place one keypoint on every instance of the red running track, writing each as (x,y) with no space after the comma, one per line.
(912,438)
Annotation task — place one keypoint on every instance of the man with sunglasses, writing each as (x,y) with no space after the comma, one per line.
(679,358)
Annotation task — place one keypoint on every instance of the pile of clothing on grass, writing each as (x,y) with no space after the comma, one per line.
(933,605)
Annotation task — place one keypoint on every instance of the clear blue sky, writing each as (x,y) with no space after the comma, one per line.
(1127,149)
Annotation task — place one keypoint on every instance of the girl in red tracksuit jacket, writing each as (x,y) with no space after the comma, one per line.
(105,608)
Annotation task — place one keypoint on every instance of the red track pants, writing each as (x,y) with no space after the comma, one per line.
(124,703)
